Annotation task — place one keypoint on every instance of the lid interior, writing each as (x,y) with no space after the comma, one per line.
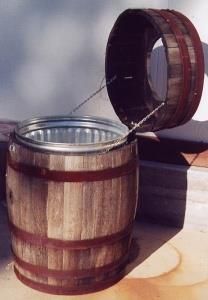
(128,57)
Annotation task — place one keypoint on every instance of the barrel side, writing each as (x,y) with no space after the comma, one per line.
(71,235)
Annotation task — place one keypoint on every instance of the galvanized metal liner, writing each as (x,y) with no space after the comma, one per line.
(70,134)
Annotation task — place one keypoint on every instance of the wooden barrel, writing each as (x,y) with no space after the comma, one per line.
(71,209)
(128,52)
(6,127)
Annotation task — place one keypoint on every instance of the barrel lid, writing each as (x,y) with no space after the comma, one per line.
(128,59)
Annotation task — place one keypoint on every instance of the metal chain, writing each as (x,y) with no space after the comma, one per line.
(140,123)
(136,125)
(92,95)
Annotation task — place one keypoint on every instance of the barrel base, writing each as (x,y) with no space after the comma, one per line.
(63,290)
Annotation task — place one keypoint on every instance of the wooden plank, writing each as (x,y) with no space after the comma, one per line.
(174,87)
(192,55)
(172,43)
(174,56)
(174,70)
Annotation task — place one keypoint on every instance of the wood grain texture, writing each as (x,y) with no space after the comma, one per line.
(171,264)
(72,211)
(184,60)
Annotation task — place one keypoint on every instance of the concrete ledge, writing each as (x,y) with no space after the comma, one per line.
(174,194)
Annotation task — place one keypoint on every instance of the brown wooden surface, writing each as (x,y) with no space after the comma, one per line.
(128,54)
(165,264)
(72,211)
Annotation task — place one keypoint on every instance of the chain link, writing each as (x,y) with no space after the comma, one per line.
(135,126)
(140,123)
(92,95)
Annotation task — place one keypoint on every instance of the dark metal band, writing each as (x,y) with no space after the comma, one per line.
(186,66)
(73,176)
(65,274)
(199,64)
(59,290)
(53,243)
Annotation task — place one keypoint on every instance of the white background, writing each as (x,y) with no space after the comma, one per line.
(52,56)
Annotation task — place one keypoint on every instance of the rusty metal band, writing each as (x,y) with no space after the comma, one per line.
(186,66)
(199,65)
(53,243)
(65,274)
(64,290)
(73,176)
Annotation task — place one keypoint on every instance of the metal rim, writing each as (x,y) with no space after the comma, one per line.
(115,130)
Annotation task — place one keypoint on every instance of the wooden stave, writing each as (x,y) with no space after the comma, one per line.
(199,64)
(53,256)
(173,58)
(186,103)
(183,81)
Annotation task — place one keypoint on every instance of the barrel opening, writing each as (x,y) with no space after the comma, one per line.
(70,134)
